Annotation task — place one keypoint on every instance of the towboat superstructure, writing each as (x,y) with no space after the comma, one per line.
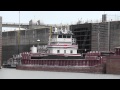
(62,42)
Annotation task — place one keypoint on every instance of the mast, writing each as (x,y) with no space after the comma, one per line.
(98,37)
(19,35)
(108,35)
(50,35)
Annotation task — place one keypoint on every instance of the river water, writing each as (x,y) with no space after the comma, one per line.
(21,74)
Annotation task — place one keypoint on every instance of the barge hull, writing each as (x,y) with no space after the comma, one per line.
(94,69)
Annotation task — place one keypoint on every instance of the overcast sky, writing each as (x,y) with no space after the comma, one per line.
(55,17)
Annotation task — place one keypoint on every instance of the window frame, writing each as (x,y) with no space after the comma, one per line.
(61,36)
(64,51)
(71,51)
(58,51)
(65,36)
(68,36)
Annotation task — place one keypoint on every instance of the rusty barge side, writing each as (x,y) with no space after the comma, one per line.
(95,69)
(92,63)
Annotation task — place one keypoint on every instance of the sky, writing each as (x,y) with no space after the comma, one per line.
(56,17)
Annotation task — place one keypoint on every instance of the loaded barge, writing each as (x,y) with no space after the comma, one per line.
(61,55)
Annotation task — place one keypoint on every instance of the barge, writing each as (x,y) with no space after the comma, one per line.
(61,55)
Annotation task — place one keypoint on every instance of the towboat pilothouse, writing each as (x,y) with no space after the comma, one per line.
(62,43)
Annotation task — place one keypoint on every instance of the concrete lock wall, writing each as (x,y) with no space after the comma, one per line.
(82,33)
(27,38)
(101,36)
(109,35)
(0,41)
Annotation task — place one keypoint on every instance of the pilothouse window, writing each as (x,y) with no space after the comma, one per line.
(58,51)
(68,36)
(64,36)
(71,51)
(64,51)
(60,36)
